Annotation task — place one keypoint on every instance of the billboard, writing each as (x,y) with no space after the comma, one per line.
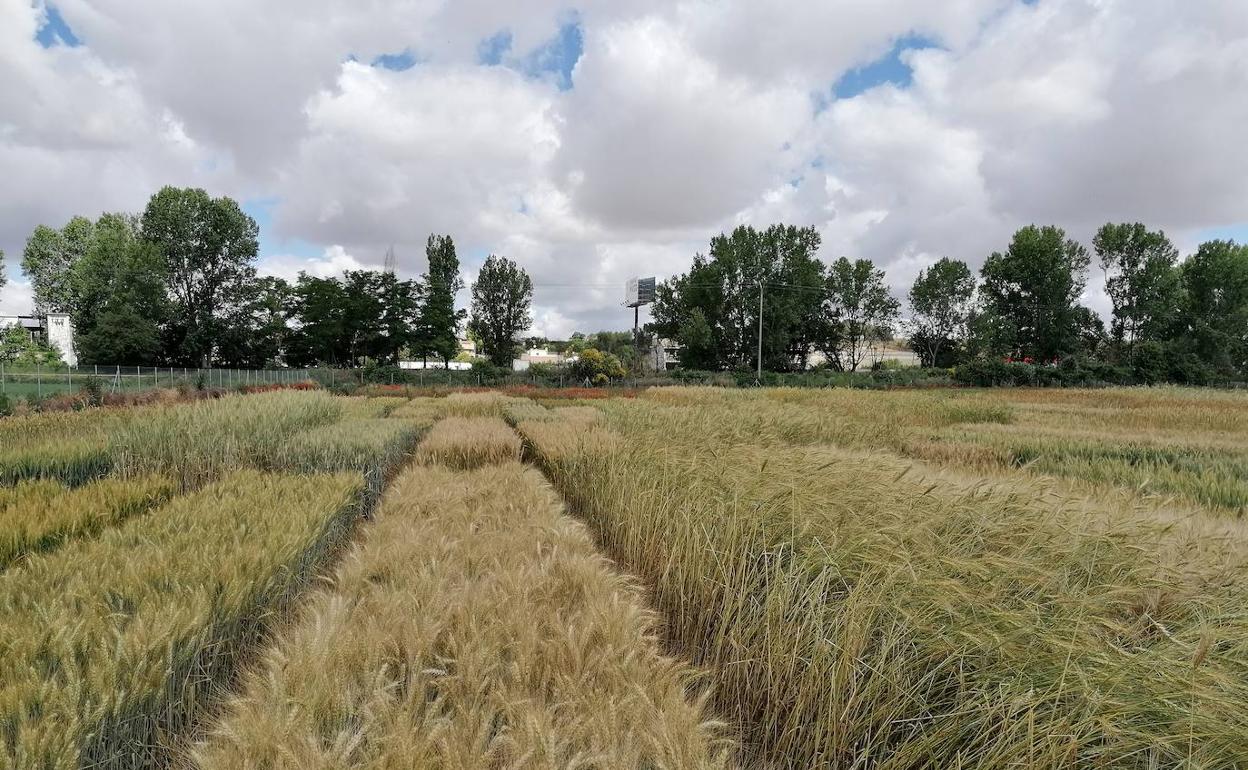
(639,291)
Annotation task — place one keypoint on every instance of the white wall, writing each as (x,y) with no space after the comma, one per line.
(61,336)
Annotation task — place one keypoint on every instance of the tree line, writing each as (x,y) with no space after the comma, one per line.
(1179,320)
(176,285)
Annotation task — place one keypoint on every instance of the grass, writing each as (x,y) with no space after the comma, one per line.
(475,627)
(112,643)
(857,609)
(37,516)
(469,442)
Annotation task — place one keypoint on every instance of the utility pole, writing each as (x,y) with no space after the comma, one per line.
(760,329)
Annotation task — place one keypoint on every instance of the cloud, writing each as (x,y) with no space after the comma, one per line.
(16,298)
(683,119)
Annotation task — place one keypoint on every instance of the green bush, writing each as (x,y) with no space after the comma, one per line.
(93,391)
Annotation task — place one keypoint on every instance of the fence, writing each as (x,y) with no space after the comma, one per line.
(39,381)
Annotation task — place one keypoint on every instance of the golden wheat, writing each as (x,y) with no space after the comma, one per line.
(475,627)
(858,610)
(469,442)
(110,643)
(489,404)
(37,516)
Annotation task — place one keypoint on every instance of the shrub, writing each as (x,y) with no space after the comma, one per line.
(93,391)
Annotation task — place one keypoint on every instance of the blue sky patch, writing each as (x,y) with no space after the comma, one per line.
(492,50)
(560,55)
(553,59)
(403,60)
(261,210)
(1237,233)
(55,31)
(887,69)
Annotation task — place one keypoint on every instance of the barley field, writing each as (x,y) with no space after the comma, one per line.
(675,578)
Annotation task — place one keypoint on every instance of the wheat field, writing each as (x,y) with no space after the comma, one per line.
(678,578)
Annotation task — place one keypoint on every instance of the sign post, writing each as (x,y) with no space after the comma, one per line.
(638,292)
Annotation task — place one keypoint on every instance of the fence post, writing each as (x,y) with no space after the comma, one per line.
(71,378)
(39,380)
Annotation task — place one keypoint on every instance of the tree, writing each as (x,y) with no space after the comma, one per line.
(501,298)
(597,366)
(3,278)
(400,315)
(48,261)
(17,347)
(1142,280)
(120,277)
(1215,309)
(713,309)
(438,322)
(121,335)
(319,307)
(208,246)
(858,311)
(941,302)
(254,329)
(1030,293)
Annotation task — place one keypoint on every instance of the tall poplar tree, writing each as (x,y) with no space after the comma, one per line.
(438,321)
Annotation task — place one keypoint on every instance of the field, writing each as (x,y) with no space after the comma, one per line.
(685,578)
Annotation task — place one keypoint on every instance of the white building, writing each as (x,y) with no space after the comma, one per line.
(466,346)
(53,328)
(539,356)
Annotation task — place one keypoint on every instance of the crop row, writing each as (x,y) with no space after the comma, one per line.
(855,610)
(476,626)
(111,643)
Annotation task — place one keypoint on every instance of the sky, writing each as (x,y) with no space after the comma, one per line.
(593,141)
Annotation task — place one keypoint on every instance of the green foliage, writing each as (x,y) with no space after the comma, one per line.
(501,298)
(208,246)
(438,321)
(1215,310)
(120,336)
(1029,294)
(18,348)
(713,309)
(859,311)
(93,391)
(940,305)
(598,367)
(1142,281)
(48,261)
(254,332)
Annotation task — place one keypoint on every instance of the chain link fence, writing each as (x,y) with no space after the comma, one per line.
(39,382)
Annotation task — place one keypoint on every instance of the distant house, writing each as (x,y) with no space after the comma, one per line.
(664,355)
(539,356)
(466,346)
(55,329)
